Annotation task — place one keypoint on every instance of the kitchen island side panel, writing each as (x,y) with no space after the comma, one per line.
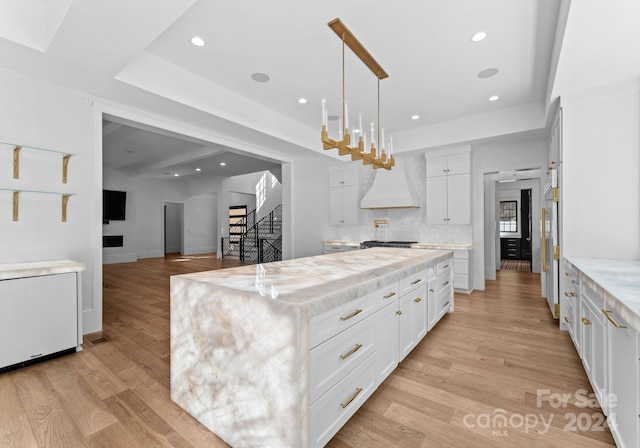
(239,364)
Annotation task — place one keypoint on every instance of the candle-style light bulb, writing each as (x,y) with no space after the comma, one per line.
(382,140)
(390,146)
(373,135)
(339,129)
(346,116)
(324,111)
(360,124)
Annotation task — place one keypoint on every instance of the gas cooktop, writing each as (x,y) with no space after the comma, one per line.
(378,243)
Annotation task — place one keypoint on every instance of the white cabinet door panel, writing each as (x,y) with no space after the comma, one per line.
(459,199)
(436,200)
(38,316)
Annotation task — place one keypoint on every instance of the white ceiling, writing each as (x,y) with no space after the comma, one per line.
(140,55)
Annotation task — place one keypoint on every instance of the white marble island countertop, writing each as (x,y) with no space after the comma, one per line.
(618,281)
(240,337)
(316,284)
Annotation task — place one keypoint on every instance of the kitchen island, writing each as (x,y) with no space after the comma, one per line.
(282,354)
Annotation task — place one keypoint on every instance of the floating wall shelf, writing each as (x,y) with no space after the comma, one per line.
(16,158)
(16,200)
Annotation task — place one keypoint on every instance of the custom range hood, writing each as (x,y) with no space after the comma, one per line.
(391,189)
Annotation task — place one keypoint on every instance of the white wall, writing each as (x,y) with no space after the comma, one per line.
(600,190)
(36,113)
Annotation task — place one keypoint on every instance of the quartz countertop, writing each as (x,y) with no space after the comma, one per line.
(618,281)
(32,269)
(319,283)
(435,246)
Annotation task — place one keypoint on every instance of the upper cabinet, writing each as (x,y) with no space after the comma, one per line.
(449,188)
(555,141)
(343,195)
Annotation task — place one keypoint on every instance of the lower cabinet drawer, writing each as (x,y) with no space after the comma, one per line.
(332,360)
(443,301)
(461,281)
(333,409)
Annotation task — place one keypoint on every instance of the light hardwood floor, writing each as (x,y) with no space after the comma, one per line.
(500,354)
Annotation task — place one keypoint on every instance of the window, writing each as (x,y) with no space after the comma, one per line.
(261,191)
(509,216)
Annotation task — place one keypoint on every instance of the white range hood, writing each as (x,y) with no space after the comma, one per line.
(391,189)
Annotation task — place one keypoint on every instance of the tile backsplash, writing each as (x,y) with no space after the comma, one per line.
(403,224)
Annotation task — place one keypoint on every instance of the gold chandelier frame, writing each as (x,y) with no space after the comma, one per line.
(343,146)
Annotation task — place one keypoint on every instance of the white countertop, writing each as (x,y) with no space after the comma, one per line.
(33,269)
(618,281)
(315,284)
(436,246)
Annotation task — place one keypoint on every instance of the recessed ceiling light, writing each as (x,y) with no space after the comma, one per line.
(480,35)
(415,117)
(197,41)
(494,98)
(176,175)
(223,164)
(260,77)
(302,100)
(488,73)
(198,169)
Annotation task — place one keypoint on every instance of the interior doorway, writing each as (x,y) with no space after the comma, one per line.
(173,224)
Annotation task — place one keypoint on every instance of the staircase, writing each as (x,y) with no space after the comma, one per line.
(262,241)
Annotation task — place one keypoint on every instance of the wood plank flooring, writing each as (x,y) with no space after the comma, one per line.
(515,265)
(489,375)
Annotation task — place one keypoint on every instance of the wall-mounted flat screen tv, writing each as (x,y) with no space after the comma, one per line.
(114,204)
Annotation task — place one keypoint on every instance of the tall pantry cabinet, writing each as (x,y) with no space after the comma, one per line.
(599,218)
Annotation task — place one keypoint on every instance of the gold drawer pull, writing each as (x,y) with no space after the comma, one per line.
(417,300)
(351,398)
(448,302)
(570,294)
(575,282)
(416,281)
(391,294)
(612,320)
(432,290)
(445,283)
(567,320)
(399,312)
(352,351)
(586,321)
(445,266)
(568,274)
(355,313)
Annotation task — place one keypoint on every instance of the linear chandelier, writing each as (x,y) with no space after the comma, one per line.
(380,156)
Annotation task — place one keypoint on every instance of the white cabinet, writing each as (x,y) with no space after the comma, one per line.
(623,380)
(555,141)
(594,341)
(462,280)
(412,319)
(448,189)
(39,316)
(343,195)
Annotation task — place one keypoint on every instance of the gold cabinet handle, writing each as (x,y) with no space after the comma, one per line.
(445,266)
(445,283)
(352,351)
(432,290)
(391,294)
(612,320)
(575,282)
(417,300)
(416,281)
(568,274)
(399,312)
(586,321)
(355,313)
(566,319)
(351,398)
(570,294)
(448,302)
